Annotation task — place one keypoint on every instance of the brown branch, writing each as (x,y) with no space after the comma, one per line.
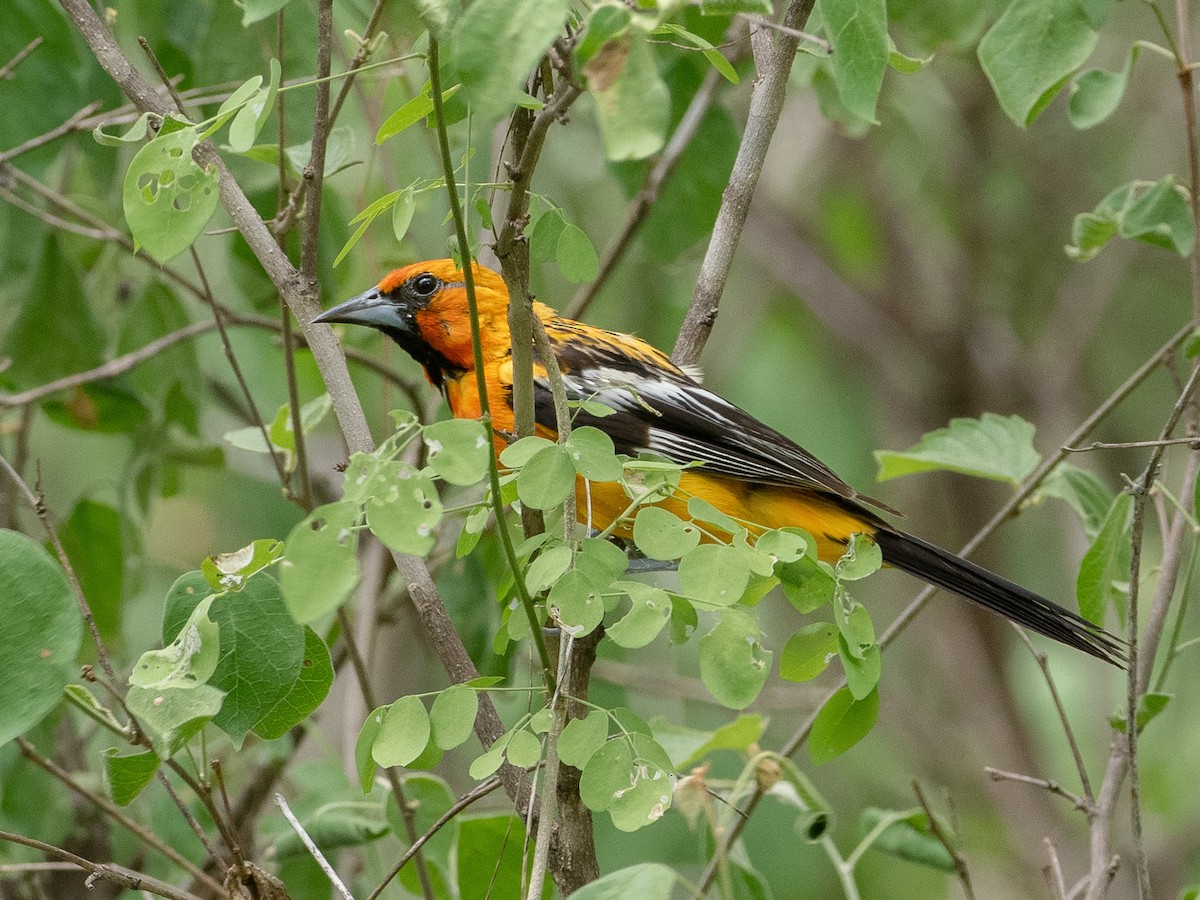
(774,62)
(960,862)
(360,56)
(6,71)
(126,878)
(1083,804)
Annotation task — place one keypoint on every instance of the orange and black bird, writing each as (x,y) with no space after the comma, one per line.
(748,470)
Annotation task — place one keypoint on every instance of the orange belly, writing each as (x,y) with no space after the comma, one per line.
(758,507)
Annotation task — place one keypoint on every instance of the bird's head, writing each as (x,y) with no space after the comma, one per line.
(423,308)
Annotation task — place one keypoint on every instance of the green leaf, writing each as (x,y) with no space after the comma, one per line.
(863,667)
(576,257)
(523,28)
(427,798)
(1150,705)
(402,213)
(307,693)
(1157,215)
(714,56)
(1096,94)
(172,716)
(660,534)
(499,839)
(734,665)
(188,661)
(807,583)
(331,826)
(404,509)
(543,240)
(411,113)
(910,838)
(548,568)
(648,615)
(452,716)
(633,103)
(547,479)
(608,771)
(858,32)
(904,64)
(580,606)
(861,558)
(459,450)
(600,560)
(841,723)
(231,571)
(733,7)
(404,733)
(1083,491)
(713,573)
(687,746)
(321,566)
(646,799)
(92,538)
(517,454)
(592,452)
(523,749)
(134,135)
(41,633)
(583,737)
(364,761)
(168,198)
(257,10)
(808,652)
(645,881)
(127,775)
(997,447)
(1031,51)
(1104,572)
(262,650)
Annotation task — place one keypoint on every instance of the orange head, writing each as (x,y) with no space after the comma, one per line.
(423,308)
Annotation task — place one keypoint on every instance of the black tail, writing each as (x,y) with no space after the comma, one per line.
(944,569)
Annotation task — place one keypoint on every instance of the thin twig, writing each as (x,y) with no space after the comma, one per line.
(313,849)
(126,878)
(478,792)
(360,56)
(162,75)
(1133,445)
(1080,803)
(960,862)
(763,22)
(6,71)
(774,63)
(1054,872)
(1043,662)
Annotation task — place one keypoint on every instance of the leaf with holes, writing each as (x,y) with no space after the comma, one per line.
(321,566)
(406,509)
(186,662)
(734,665)
(459,450)
(168,198)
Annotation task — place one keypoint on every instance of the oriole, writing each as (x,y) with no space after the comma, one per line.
(747,470)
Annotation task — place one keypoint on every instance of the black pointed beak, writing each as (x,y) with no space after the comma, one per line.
(370,308)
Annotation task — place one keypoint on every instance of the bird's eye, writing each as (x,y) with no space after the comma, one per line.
(425,285)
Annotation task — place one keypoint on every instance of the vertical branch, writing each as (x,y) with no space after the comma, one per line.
(774,61)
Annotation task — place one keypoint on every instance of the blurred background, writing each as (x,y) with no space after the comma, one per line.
(889,279)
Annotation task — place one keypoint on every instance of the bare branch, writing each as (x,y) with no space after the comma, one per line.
(1080,803)
(960,862)
(774,62)
(6,71)
(313,849)
(126,878)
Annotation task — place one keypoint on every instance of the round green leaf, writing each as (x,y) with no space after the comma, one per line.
(405,510)
(841,723)
(547,479)
(459,450)
(41,633)
(733,664)
(547,568)
(807,652)
(607,772)
(713,573)
(524,749)
(593,453)
(404,733)
(649,614)
(663,535)
(580,607)
(452,716)
(583,737)
(520,452)
(307,693)
(321,566)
